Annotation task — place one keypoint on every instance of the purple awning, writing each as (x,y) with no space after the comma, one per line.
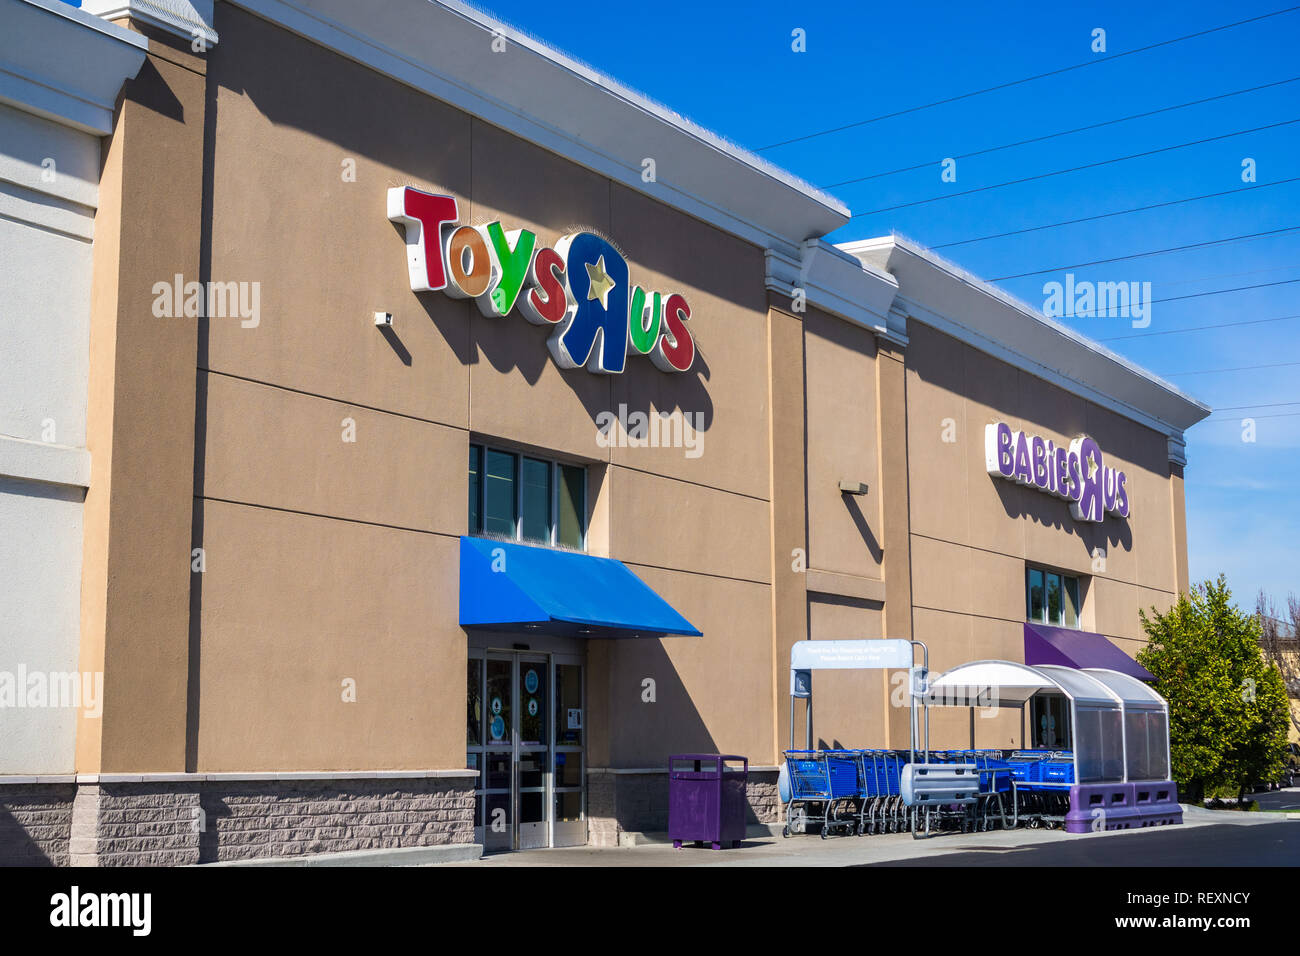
(1045,644)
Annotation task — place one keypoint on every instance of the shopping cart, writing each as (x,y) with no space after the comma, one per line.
(1042,786)
(810,790)
(995,786)
(844,776)
(882,808)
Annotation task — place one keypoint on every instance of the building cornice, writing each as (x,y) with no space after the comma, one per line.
(1177,449)
(839,284)
(188,19)
(65,64)
(946,297)
(447,50)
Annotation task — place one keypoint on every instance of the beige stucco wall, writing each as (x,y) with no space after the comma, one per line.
(972,535)
(140,423)
(329,559)
(845,532)
(789,547)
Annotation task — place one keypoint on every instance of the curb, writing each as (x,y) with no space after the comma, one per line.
(754,831)
(388,856)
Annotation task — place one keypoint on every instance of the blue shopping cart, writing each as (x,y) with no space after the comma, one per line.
(1042,785)
(844,774)
(810,790)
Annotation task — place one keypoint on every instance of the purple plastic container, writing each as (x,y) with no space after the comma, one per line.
(1157,803)
(1101,806)
(706,799)
(1124,806)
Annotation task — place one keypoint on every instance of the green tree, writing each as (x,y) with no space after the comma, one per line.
(1228,710)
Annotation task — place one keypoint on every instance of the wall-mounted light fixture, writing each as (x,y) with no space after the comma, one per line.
(384,319)
(853,487)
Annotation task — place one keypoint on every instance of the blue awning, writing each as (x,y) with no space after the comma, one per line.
(512,587)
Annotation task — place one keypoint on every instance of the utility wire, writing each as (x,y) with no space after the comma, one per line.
(1028,79)
(1240,368)
(1240,288)
(1229,275)
(1216,421)
(1238,408)
(1201,328)
(1118,212)
(1153,252)
(1074,169)
(1068,132)
(1193,295)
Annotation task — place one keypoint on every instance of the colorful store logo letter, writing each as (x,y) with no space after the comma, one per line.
(581,287)
(1079,475)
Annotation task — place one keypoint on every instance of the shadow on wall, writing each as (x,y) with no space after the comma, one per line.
(17,848)
(335,100)
(957,368)
(151,91)
(1053,512)
(643,734)
(852,503)
(43,809)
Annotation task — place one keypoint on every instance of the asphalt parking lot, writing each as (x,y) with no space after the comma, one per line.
(1206,838)
(1278,799)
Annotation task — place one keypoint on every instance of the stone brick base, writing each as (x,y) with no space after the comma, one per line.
(35,823)
(201,820)
(638,803)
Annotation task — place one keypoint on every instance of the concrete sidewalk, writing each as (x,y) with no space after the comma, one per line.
(811,850)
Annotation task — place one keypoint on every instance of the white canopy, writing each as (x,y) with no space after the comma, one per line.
(1135,694)
(1009,684)
(1120,726)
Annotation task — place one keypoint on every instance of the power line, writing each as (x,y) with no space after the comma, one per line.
(1216,421)
(1028,79)
(1090,313)
(1068,132)
(1118,212)
(1240,288)
(1240,368)
(1238,408)
(1229,275)
(1200,328)
(1153,252)
(1075,169)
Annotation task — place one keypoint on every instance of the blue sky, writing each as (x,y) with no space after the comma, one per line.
(738,75)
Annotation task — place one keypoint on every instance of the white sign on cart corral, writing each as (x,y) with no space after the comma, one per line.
(836,655)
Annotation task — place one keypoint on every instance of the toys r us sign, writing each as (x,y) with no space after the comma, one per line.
(581,287)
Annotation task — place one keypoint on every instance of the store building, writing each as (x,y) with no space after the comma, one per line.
(468,433)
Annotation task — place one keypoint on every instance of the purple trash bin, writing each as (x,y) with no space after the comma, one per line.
(706,799)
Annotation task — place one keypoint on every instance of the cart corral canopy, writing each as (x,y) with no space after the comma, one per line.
(1120,726)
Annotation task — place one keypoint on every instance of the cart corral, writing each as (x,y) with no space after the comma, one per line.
(1113,776)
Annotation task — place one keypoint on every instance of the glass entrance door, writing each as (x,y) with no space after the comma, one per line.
(498,778)
(569,791)
(526,739)
(532,756)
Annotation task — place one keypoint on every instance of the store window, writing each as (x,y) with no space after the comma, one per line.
(1051,597)
(1050,715)
(527,499)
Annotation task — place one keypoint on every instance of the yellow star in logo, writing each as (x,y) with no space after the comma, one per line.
(601,283)
(1092,466)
